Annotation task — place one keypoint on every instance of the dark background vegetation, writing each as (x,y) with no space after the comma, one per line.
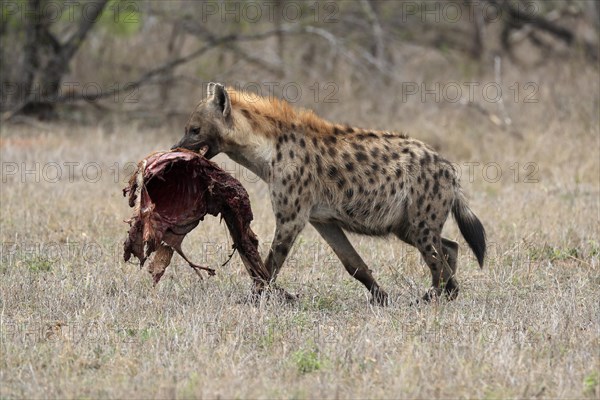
(153,58)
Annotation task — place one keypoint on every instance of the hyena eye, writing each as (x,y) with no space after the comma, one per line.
(194,131)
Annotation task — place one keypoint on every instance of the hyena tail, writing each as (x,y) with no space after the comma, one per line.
(470,226)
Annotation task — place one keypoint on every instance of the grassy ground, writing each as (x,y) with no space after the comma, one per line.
(76,321)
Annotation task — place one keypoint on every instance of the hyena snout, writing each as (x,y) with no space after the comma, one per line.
(205,146)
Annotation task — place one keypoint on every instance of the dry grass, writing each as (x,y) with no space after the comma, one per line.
(76,321)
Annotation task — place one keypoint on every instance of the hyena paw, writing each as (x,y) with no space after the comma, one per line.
(379,297)
(434,294)
(431,295)
(451,289)
(287,296)
(270,292)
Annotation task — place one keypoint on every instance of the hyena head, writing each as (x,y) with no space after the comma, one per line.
(207,127)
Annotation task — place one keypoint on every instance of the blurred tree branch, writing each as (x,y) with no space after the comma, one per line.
(526,22)
(378,45)
(518,17)
(145,78)
(202,32)
(229,41)
(355,39)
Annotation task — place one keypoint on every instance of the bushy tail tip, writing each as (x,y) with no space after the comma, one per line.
(470,227)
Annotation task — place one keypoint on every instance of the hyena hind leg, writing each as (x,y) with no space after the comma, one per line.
(440,255)
(341,246)
(450,249)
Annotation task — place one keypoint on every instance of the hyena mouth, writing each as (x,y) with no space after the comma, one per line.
(203,149)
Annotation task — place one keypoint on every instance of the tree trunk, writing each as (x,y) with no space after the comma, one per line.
(31,59)
(39,38)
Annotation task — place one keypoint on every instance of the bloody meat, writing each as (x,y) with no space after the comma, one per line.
(171,192)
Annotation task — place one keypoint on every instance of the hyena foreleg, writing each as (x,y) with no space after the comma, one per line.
(286,232)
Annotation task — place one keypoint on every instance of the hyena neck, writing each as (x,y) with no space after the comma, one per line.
(256,159)
(258,124)
(247,147)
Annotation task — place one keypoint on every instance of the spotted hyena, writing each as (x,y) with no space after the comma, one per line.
(339,178)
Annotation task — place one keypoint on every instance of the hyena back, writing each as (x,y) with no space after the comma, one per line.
(339,178)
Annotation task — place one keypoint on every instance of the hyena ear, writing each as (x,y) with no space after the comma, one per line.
(210,90)
(220,98)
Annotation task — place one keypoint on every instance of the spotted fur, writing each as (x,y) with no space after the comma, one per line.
(340,178)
